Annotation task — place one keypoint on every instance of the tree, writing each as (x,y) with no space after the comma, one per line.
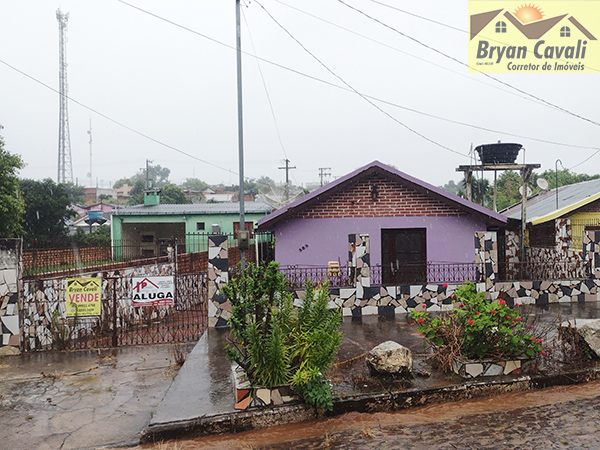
(172,195)
(451,187)
(121,182)
(507,189)
(509,182)
(194,183)
(47,211)
(12,205)
(76,193)
(100,237)
(565,177)
(136,195)
(481,191)
(158,175)
(253,184)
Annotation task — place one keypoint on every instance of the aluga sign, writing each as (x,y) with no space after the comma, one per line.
(545,36)
(153,291)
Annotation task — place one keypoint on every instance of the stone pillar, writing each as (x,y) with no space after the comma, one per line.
(591,252)
(563,234)
(219,308)
(359,262)
(10,273)
(486,255)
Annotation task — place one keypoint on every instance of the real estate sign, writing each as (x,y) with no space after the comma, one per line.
(83,297)
(153,291)
(541,36)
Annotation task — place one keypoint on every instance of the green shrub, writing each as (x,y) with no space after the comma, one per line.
(277,343)
(476,328)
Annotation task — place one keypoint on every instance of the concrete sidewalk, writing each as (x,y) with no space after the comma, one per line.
(82,399)
(201,399)
(111,398)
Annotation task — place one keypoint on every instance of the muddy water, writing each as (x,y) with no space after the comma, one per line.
(558,417)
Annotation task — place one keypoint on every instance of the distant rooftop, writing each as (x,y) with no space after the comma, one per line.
(197,208)
(542,206)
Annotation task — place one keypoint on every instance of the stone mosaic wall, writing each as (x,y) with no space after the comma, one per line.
(512,251)
(560,262)
(387,300)
(219,307)
(364,299)
(359,261)
(10,271)
(486,255)
(591,251)
(563,234)
(41,298)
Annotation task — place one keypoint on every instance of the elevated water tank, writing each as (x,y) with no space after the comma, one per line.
(498,153)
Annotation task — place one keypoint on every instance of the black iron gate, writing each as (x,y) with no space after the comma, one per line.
(122,324)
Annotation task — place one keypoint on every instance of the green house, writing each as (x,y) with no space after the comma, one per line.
(150,229)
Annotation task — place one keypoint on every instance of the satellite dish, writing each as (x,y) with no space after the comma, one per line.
(542,184)
(279,195)
(529,192)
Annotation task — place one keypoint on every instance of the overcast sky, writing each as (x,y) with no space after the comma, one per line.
(178,87)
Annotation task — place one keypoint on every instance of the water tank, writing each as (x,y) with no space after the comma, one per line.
(95,215)
(498,153)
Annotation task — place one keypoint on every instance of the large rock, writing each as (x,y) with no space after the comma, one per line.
(589,330)
(9,350)
(390,358)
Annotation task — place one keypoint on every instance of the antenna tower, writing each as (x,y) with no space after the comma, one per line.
(65,169)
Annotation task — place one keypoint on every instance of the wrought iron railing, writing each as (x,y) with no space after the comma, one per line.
(378,275)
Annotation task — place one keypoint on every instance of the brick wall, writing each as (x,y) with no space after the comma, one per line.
(393,200)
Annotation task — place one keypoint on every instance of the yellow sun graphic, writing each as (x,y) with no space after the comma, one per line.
(528,13)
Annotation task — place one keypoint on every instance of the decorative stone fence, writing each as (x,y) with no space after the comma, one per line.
(41,298)
(10,274)
(365,299)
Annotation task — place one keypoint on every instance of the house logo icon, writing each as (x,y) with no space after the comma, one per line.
(546,36)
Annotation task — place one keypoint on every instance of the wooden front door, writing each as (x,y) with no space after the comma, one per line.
(404,256)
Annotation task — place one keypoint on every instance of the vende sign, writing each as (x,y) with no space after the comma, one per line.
(153,291)
(83,297)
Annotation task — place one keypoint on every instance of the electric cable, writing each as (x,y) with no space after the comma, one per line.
(412,130)
(566,111)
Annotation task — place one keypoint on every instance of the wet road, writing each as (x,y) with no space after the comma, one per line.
(84,399)
(553,418)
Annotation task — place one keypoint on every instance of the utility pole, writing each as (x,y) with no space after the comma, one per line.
(287,171)
(238,41)
(65,168)
(323,173)
(287,179)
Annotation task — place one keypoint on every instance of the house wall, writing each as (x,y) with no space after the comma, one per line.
(314,242)
(317,234)
(374,196)
(225,221)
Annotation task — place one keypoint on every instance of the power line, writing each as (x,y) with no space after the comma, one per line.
(262,77)
(116,122)
(439,52)
(412,130)
(344,88)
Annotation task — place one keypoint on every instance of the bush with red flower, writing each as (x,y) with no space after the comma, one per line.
(476,328)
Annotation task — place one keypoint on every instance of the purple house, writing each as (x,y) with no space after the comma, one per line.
(379,216)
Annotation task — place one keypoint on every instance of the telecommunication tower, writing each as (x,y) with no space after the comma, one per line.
(65,169)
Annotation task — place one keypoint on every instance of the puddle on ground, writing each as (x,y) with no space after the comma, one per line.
(435,413)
